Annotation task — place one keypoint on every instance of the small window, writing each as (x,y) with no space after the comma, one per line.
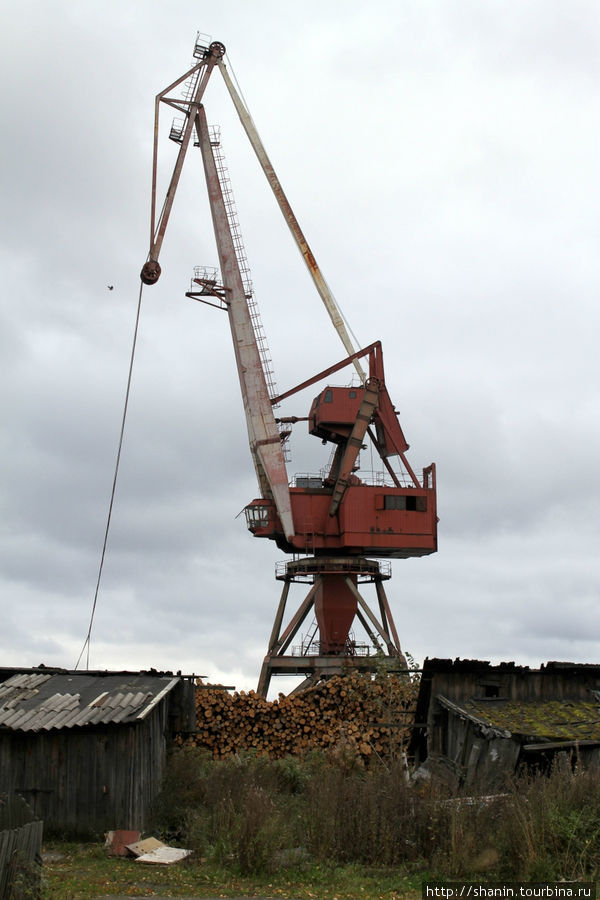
(257,517)
(394,502)
(416,504)
(492,690)
(352,395)
(328,398)
(410,502)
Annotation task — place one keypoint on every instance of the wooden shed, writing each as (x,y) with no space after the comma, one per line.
(477,723)
(87,750)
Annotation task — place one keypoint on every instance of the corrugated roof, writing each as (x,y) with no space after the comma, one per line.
(569,720)
(41,701)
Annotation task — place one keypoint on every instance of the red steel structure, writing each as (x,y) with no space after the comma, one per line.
(336,525)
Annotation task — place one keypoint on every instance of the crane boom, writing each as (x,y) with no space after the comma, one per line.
(264,438)
(263,434)
(197,77)
(321,285)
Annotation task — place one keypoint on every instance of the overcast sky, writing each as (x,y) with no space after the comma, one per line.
(442,158)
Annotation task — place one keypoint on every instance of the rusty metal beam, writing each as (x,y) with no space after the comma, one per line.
(265,442)
(372,618)
(386,614)
(384,459)
(279,644)
(326,372)
(365,624)
(295,623)
(292,223)
(157,230)
(279,615)
(354,443)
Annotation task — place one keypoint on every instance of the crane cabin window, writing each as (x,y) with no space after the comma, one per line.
(257,517)
(407,502)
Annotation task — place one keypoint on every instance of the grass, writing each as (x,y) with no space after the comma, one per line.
(328,827)
(85,872)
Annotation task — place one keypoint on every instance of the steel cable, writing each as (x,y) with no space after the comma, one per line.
(114,487)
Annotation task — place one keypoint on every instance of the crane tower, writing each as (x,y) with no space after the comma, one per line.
(338,524)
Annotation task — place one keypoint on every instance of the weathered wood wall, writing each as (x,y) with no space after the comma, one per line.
(20,855)
(470,751)
(465,679)
(90,780)
(20,849)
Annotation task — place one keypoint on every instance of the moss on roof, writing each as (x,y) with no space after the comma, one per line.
(551,719)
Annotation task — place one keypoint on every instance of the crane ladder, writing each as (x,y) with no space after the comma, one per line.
(242,259)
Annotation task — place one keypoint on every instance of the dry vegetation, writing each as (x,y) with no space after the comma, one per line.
(320,780)
(309,797)
(257,815)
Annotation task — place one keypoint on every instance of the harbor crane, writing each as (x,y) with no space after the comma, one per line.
(336,525)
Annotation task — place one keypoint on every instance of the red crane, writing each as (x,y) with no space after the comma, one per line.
(336,525)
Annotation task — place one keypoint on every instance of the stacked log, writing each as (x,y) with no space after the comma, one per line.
(352,713)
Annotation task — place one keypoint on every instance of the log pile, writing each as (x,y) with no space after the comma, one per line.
(352,713)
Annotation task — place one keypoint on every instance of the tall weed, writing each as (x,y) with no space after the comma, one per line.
(259,815)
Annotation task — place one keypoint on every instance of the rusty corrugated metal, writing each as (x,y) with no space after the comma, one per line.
(48,701)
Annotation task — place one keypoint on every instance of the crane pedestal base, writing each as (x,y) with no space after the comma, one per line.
(335,596)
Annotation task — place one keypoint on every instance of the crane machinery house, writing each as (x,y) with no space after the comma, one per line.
(335,525)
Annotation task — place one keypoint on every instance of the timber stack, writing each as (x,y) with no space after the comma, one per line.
(354,713)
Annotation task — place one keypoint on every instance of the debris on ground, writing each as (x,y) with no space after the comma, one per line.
(116,841)
(151,850)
